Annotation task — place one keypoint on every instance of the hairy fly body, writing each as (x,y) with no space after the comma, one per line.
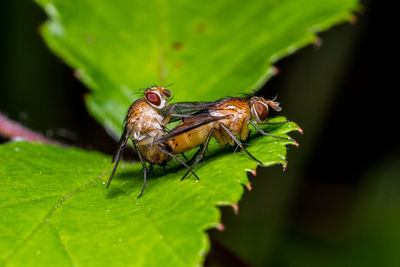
(144,123)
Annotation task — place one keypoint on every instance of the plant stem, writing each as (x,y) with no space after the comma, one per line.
(14,130)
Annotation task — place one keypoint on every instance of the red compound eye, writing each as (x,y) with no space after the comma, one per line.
(261,110)
(153,98)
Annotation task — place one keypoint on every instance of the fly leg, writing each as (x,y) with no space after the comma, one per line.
(145,170)
(178,159)
(183,155)
(140,156)
(203,151)
(267,134)
(165,170)
(239,143)
(145,179)
(196,154)
(151,168)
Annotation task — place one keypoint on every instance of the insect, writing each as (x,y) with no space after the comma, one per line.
(224,120)
(144,123)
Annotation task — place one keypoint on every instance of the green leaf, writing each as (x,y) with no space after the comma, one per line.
(54,205)
(55,208)
(209,49)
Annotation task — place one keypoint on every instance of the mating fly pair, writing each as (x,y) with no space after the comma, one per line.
(224,120)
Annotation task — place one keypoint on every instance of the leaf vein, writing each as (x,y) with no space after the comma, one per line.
(27,201)
(48,215)
(62,244)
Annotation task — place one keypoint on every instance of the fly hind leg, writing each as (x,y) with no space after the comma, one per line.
(203,151)
(178,159)
(239,143)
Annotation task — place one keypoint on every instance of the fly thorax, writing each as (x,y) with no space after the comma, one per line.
(149,125)
(153,118)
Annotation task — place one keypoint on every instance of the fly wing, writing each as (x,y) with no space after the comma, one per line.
(189,124)
(184,107)
(182,110)
(125,134)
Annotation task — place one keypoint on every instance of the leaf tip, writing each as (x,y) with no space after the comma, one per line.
(353,19)
(235,209)
(253,172)
(275,70)
(317,42)
(249,186)
(77,73)
(220,227)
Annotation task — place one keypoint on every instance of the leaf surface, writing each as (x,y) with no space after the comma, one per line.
(54,205)
(55,208)
(208,49)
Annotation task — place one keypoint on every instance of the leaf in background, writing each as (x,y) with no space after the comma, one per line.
(209,49)
(55,208)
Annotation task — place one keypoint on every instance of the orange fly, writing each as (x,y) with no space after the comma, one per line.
(224,120)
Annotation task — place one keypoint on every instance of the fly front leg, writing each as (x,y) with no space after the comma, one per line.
(271,135)
(145,170)
(239,143)
(165,170)
(140,156)
(145,179)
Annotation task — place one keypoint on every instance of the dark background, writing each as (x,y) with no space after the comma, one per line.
(337,204)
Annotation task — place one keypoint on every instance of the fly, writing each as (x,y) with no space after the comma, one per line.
(224,120)
(145,123)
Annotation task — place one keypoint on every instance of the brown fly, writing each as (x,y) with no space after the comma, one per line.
(145,123)
(224,120)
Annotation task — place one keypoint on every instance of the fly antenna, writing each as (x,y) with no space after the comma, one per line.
(273,104)
(138,93)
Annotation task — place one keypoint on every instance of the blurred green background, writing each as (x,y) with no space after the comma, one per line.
(338,202)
